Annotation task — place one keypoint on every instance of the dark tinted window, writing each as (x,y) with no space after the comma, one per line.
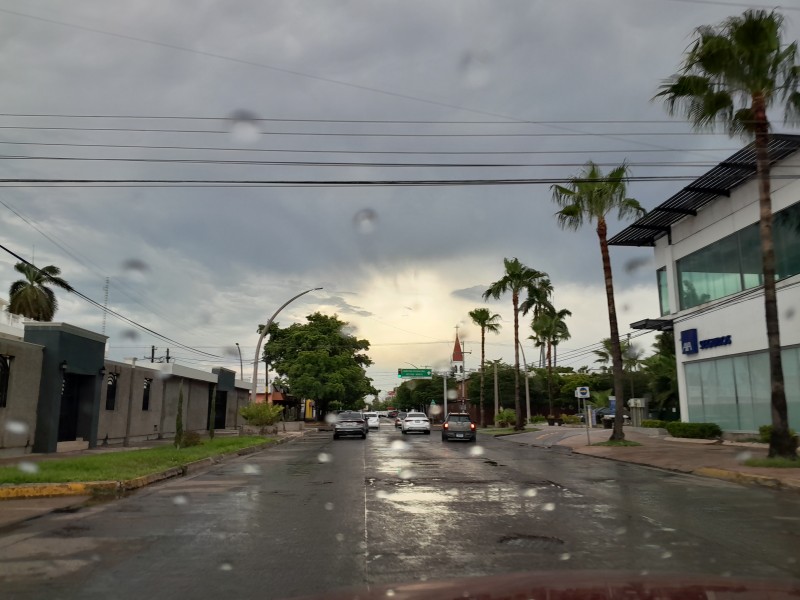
(458,419)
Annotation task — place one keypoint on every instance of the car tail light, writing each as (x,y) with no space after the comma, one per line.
(446,425)
(472,425)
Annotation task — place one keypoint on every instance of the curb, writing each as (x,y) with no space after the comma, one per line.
(88,488)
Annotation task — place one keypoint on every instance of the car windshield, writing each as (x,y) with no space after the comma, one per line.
(303,298)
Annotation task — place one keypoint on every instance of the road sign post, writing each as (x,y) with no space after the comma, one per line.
(582,393)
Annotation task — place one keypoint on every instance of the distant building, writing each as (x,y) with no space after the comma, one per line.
(710,286)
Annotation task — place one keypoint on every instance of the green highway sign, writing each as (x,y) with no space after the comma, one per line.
(415,373)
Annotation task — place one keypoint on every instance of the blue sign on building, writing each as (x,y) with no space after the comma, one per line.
(689,341)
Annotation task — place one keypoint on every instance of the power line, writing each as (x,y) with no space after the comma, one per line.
(112,312)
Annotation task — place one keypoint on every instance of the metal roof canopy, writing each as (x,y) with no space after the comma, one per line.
(719,181)
(653,324)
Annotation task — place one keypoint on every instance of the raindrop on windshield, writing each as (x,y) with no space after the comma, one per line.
(744,456)
(329,506)
(637,263)
(790,313)
(381,494)
(180,500)
(362,545)
(339,537)
(244,127)
(324,457)
(28,467)
(565,556)
(666,554)
(252,470)
(548,506)
(365,221)
(476,451)
(135,266)
(406,474)
(398,445)
(530,493)
(226,567)
(330,418)
(452,394)
(17,427)
(621,531)
(435,410)
(129,334)
(474,67)
(390,592)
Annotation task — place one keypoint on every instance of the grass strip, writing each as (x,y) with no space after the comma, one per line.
(617,443)
(123,465)
(776,463)
(502,431)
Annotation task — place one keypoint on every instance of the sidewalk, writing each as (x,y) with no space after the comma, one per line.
(705,458)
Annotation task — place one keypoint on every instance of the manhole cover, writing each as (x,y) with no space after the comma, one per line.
(536,542)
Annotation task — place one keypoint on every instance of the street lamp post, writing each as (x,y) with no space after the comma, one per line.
(527,384)
(241,365)
(261,339)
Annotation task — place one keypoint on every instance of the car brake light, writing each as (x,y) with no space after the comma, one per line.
(472,425)
(446,425)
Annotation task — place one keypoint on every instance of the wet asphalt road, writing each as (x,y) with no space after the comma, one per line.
(316,515)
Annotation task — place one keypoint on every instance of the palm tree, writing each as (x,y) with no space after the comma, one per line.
(517,278)
(591,196)
(551,328)
(537,301)
(30,297)
(487,322)
(731,75)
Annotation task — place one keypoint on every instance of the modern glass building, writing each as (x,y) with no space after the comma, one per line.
(710,286)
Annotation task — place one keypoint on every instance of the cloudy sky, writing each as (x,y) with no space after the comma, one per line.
(343,91)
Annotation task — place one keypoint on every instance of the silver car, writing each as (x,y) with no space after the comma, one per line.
(416,421)
(350,423)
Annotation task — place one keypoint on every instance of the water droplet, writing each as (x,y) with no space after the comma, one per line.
(476,451)
(791,560)
(330,418)
(381,494)
(135,265)
(644,573)
(231,351)
(365,221)
(362,545)
(475,68)
(399,445)
(96,558)
(406,474)
(339,537)
(452,394)
(129,334)
(329,506)
(28,467)
(666,554)
(565,556)
(548,506)
(637,263)
(530,493)
(251,470)
(435,411)
(17,427)
(390,592)
(324,457)
(726,573)
(244,127)
(744,456)
(180,500)
(226,567)
(620,531)
(647,535)
(790,312)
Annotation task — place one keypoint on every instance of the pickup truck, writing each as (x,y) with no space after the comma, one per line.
(458,426)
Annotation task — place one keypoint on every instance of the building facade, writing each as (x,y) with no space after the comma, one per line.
(710,284)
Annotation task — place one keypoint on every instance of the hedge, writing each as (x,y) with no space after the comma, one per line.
(765,432)
(654,424)
(708,431)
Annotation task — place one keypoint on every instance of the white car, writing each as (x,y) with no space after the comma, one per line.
(373,421)
(416,421)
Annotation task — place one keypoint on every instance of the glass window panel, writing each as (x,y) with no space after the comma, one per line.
(791,379)
(720,407)
(710,273)
(694,393)
(786,233)
(663,291)
(760,388)
(750,252)
(708,379)
(744,395)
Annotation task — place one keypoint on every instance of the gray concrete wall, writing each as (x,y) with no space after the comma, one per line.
(196,399)
(25,374)
(115,425)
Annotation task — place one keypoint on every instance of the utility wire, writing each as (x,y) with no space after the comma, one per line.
(112,312)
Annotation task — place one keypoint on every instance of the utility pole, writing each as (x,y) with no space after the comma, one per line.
(167,354)
(152,354)
(496,393)
(444,394)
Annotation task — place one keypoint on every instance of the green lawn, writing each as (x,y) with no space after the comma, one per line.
(502,431)
(617,443)
(124,465)
(780,463)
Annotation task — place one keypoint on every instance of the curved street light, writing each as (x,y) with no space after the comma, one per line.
(261,339)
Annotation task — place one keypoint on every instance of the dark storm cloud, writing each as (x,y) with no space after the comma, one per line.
(343,306)
(471,293)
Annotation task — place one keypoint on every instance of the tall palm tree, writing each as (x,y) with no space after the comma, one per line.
(591,196)
(30,297)
(551,328)
(537,301)
(487,321)
(517,278)
(731,75)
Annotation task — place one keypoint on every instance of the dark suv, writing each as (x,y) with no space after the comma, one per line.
(459,426)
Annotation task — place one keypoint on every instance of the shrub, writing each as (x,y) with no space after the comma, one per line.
(506,417)
(262,414)
(190,438)
(706,431)
(538,419)
(654,424)
(765,432)
(570,419)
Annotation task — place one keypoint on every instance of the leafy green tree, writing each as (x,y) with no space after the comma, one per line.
(505,381)
(591,196)
(31,297)
(516,279)
(732,74)
(550,328)
(662,373)
(417,394)
(487,321)
(320,360)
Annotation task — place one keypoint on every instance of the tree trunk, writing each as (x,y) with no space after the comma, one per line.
(616,351)
(781,443)
(483,360)
(550,377)
(517,404)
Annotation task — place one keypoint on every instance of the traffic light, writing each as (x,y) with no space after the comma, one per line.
(399,372)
